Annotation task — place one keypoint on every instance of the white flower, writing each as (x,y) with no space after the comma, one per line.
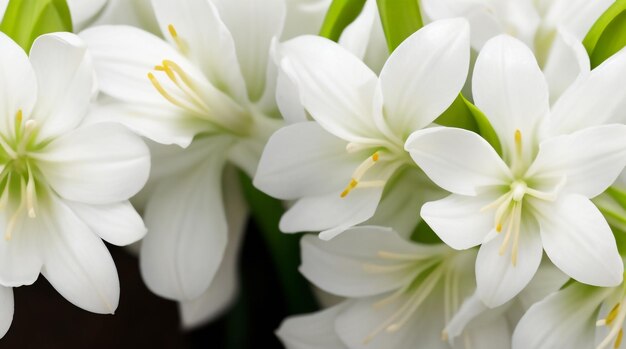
(538,193)
(576,317)
(338,166)
(64,184)
(6,309)
(553,29)
(209,88)
(399,293)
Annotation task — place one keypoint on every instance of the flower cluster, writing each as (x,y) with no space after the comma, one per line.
(464,189)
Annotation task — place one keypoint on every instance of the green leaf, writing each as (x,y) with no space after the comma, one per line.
(608,34)
(340,14)
(463,114)
(284,248)
(400,19)
(25,20)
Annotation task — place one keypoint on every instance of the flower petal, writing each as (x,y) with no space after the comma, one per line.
(21,255)
(312,331)
(459,221)
(567,60)
(288,99)
(340,266)
(303,160)
(206,41)
(96,164)
(457,160)
(17,82)
(598,93)
(65,79)
(425,74)
(565,319)
(187,228)
(498,279)
(579,241)
(253,24)
(6,306)
(223,289)
(590,159)
(76,261)
(118,224)
(511,90)
(336,88)
(575,16)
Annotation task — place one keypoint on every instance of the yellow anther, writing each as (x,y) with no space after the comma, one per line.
(375,157)
(518,141)
(618,340)
(18,116)
(499,227)
(172,30)
(177,39)
(612,314)
(353,183)
(159,68)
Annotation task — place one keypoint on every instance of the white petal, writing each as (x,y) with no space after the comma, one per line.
(85,11)
(288,99)
(459,221)
(21,256)
(494,334)
(567,60)
(207,41)
(511,90)
(223,289)
(6,306)
(425,74)
(548,279)
(331,214)
(96,164)
(312,331)
(123,57)
(17,82)
(118,224)
(163,124)
(336,88)
(576,16)
(340,266)
(187,229)
(77,263)
(590,159)
(498,280)
(598,93)
(65,79)
(304,160)
(565,319)
(304,17)
(356,36)
(579,241)
(457,160)
(253,24)
(401,202)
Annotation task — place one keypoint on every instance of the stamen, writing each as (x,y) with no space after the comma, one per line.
(157,85)
(360,172)
(8,234)
(518,142)
(30,193)
(177,39)
(615,319)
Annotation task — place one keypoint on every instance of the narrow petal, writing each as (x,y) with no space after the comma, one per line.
(598,93)
(253,24)
(65,79)
(304,160)
(118,224)
(457,160)
(590,159)
(336,88)
(224,288)
(357,35)
(21,255)
(6,307)
(76,261)
(17,82)
(331,214)
(459,220)
(498,279)
(312,331)
(344,265)
(565,319)
(187,229)
(205,40)
(425,74)
(304,17)
(567,60)
(96,164)
(579,241)
(511,90)
(288,99)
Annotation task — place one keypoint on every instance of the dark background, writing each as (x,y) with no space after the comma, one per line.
(44,319)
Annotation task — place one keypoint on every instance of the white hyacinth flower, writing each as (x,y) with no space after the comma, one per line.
(399,293)
(338,166)
(537,194)
(64,184)
(553,29)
